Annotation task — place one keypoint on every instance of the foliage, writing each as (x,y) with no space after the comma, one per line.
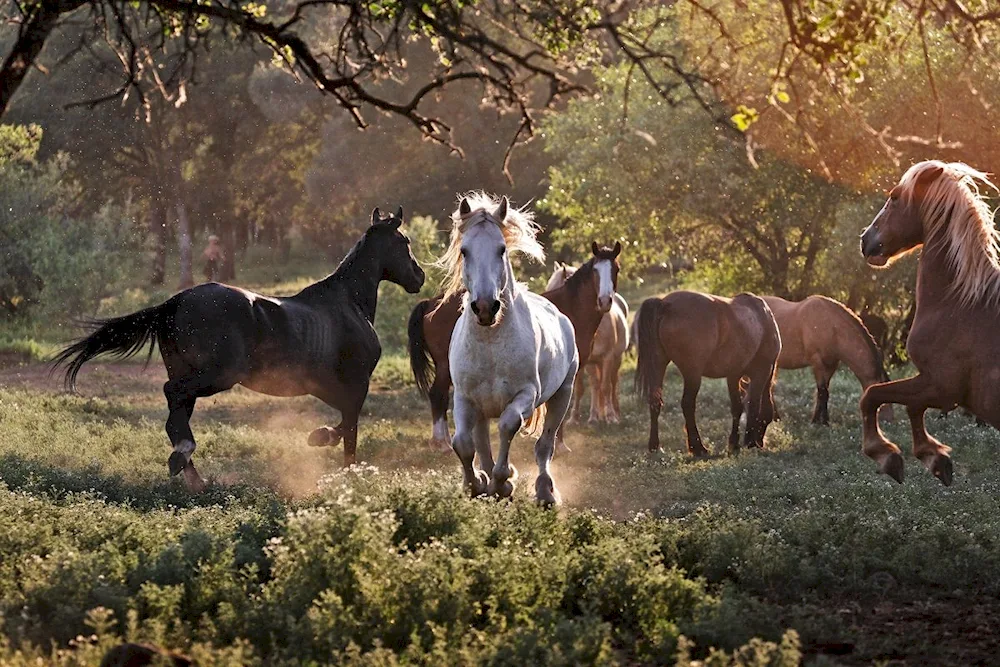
(54,261)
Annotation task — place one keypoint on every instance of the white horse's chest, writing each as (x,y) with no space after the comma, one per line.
(490,367)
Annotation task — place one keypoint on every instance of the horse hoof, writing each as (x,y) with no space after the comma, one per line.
(324,436)
(503,491)
(439,445)
(193,480)
(892,465)
(700,453)
(176,463)
(546,494)
(479,484)
(941,467)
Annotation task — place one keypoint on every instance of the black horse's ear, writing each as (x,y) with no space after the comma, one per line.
(376,216)
(594,248)
(618,248)
(399,213)
(501,213)
(930,175)
(464,208)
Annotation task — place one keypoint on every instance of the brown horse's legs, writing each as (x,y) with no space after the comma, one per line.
(655,404)
(613,377)
(576,414)
(688,400)
(760,405)
(736,407)
(597,410)
(821,409)
(932,453)
(438,396)
(917,394)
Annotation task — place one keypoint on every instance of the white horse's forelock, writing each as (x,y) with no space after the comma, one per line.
(955,210)
(520,232)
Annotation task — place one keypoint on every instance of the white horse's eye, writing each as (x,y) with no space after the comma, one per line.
(501,252)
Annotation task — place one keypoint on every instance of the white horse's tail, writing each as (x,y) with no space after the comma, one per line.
(533,426)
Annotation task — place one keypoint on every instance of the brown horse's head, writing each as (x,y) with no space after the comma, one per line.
(605,274)
(898,227)
(398,263)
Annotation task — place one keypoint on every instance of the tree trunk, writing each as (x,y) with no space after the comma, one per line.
(184,241)
(227,272)
(38,25)
(158,231)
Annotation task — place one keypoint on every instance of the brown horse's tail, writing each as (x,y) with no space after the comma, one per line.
(121,337)
(421,362)
(647,342)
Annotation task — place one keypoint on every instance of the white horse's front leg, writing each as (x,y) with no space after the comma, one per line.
(511,421)
(556,408)
(467,420)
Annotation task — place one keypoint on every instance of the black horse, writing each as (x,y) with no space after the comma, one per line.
(321,341)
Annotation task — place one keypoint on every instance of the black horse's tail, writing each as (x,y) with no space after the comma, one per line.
(420,359)
(647,342)
(119,336)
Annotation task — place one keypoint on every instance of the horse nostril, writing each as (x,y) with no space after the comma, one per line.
(495,308)
(475,308)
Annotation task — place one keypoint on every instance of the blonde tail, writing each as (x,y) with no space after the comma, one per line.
(533,426)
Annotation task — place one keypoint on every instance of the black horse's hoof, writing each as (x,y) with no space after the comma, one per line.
(324,436)
(177,463)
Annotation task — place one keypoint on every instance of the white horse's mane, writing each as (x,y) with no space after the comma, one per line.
(954,208)
(519,233)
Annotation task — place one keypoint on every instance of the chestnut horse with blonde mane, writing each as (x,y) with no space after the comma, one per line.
(822,333)
(584,300)
(953,341)
(708,336)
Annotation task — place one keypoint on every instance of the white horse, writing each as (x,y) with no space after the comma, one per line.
(512,355)
(606,352)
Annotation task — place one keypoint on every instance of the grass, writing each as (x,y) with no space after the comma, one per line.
(286,559)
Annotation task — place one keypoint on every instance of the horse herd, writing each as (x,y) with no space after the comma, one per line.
(520,357)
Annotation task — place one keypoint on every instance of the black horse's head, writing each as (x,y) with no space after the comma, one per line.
(398,263)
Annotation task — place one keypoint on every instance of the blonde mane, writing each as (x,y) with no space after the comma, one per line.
(955,210)
(519,233)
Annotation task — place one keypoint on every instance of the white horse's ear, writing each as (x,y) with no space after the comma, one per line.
(618,248)
(594,248)
(376,215)
(559,266)
(464,208)
(399,213)
(501,213)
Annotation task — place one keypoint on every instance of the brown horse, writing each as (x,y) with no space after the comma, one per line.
(822,333)
(709,336)
(953,342)
(606,352)
(582,299)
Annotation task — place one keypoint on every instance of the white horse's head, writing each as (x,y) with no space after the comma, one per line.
(484,233)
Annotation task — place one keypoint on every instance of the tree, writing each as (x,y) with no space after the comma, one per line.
(742,61)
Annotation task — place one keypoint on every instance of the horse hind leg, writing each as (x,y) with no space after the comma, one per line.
(613,377)
(736,409)
(692,384)
(596,377)
(181,394)
(760,404)
(821,411)
(557,406)
(439,391)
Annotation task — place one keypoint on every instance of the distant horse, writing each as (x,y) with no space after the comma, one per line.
(320,341)
(709,336)
(822,333)
(953,342)
(513,354)
(584,300)
(606,352)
